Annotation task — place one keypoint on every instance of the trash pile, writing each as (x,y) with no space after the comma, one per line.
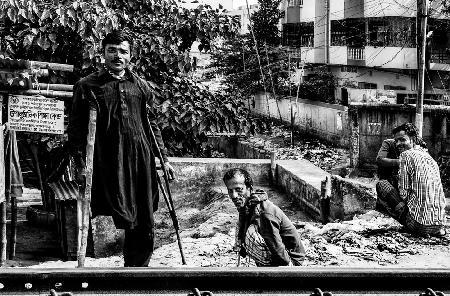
(316,151)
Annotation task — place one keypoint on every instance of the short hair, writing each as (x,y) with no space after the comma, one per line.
(232,173)
(117,37)
(412,131)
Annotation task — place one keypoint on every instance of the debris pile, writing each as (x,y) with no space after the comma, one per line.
(207,232)
(314,150)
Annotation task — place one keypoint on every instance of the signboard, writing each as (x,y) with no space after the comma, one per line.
(36,114)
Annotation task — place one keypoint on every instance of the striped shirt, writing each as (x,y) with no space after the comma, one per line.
(420,186)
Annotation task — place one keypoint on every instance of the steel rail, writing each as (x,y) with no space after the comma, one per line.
(224,281)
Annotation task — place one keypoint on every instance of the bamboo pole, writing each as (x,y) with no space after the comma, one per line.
(2,194)
(45,93)
(57,87)
(13,229)
(84,198)
(51,66)
(3,229)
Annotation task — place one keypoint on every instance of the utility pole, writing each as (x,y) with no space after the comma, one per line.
(422,18)
(327,33)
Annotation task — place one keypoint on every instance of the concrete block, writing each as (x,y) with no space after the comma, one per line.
(350,197)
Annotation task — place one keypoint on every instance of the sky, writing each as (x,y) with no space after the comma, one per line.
(228,4)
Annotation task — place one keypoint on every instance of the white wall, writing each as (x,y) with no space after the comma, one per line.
(328,121)
(381,78)
(338,55)
(380,8)
(391,57)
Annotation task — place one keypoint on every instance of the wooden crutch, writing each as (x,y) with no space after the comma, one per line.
(84,197)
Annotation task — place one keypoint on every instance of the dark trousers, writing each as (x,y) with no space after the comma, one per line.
(138,247)
(389,201)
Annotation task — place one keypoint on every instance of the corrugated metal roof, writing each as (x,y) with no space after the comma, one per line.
(65,190)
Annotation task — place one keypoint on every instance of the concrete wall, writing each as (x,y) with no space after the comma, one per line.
(194,176)
(350,197)
(375,123)
(326,121)
(237,147)
(391,57)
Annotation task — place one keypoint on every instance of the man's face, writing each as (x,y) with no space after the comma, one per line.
(117,56)
(403,141)
(237,191)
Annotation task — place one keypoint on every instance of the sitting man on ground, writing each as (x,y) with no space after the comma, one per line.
(264,232)
(388,160)
(419,201)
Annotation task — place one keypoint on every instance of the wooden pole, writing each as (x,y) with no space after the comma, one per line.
(84,198)
(13,229)
(2,194)
(51,66)
(325,193)
(3,229)
(57,87)
(273,167)
(258,58)
(422,17)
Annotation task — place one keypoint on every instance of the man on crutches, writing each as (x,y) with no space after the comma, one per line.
(124,178)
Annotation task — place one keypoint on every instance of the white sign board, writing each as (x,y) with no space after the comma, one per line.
(36,114)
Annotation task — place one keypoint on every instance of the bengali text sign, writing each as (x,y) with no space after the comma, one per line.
(36,114)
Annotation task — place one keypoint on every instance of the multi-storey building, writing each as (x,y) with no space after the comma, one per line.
(243,14)
(370,46)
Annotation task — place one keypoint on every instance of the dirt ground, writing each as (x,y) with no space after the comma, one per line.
(208,228)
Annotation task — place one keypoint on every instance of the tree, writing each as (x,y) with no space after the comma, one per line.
(69,32)
(265,22)
(320,87)
(236,59)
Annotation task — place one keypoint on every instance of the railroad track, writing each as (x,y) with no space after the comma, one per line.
(225,281)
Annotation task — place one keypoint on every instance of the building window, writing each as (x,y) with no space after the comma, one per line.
(298,34)
(394,87)
(352,69)
(367,85)
(295,3)
(391,31)
(338,33)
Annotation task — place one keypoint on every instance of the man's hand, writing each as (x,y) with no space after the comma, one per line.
(170,171)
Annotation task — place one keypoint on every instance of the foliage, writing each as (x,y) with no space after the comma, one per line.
(237,60)
(319,87)
(193,117)
(265,22)
(70,32)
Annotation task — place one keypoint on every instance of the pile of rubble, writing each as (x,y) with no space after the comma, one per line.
(208,231)
(314,150)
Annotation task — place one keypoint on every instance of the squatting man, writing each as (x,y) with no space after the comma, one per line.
(416,199)
(264,232)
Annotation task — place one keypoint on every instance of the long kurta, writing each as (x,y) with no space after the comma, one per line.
(124,182)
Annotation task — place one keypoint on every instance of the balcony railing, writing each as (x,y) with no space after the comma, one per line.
(356,53)
(440,56)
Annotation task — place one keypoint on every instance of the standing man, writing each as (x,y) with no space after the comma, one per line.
(419,202)
(264,232)
(124,183)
